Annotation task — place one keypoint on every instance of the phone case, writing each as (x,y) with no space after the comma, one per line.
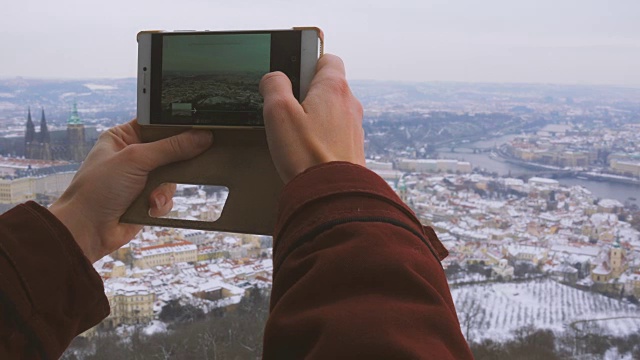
(239,160)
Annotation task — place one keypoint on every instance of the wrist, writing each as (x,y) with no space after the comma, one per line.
(74,219)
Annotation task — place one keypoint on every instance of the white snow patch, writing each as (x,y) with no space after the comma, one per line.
(94,87)
(7,106)
(613,354)
(73,94)
(156,326)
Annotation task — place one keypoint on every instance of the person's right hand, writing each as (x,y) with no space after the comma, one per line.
(111,178)
(326,127)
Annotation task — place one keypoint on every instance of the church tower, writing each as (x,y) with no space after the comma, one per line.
(75,136)
(44,140)
(618,259)
(29,136)
(402,190)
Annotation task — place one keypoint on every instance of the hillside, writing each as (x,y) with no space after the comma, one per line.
(495,311)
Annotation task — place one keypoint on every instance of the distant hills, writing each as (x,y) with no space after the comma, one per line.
(114,100)
(98,100)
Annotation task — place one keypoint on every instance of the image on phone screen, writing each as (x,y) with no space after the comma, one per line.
(213,80)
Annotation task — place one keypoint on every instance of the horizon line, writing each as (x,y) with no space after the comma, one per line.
(491,82)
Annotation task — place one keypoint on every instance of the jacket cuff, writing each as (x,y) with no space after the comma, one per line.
(54,287)
(336,191)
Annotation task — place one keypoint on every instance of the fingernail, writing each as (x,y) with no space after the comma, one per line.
(161,200)
(202,138)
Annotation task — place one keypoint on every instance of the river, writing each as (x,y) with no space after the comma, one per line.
(602,189)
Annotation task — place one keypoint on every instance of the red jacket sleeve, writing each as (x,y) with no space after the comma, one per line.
(356,276)
(49,291)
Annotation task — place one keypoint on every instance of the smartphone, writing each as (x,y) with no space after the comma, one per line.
(211,78)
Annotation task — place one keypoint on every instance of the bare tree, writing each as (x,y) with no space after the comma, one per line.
(471,314)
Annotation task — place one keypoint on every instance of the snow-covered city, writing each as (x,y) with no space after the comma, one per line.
(540,217)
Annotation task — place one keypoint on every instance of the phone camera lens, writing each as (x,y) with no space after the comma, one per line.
(144,68)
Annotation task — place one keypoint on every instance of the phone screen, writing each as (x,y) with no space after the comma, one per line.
(213,78)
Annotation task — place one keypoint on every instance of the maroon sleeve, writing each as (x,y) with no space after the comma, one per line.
(49,291)
(356,276)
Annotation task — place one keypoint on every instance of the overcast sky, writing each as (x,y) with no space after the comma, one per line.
(550,41)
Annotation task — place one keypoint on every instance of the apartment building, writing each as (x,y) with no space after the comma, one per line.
(165,254)
(130,304)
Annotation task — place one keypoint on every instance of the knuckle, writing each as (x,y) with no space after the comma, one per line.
(105,135)
(339,86)
(133,151)
(109,136)
(357,108)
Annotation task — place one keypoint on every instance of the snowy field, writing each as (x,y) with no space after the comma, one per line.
(494,311)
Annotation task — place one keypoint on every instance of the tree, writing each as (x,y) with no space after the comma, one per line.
(522,269)
(452,270)
(488,350)
(534,344)
(226,333)
(471,315)
(174,312)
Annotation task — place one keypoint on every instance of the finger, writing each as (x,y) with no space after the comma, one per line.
(329,81)
(277,91)
(175,148)
(161,195)
(275,82)
(330,64)
(136,128)
(161,200)
(125,134)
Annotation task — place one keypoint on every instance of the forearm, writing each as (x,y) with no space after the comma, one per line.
(50,291)
(355,276)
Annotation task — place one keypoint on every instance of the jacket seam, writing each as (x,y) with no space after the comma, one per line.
(352,192)
(334,216)
(306,173)
(366,219)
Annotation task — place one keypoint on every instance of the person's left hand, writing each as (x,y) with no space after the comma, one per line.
(111,177)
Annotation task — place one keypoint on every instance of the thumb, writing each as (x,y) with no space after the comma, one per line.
(175,148)
(277,91)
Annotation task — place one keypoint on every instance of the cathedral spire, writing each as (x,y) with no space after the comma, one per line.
(30,133)
(74,119)
(45,138)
